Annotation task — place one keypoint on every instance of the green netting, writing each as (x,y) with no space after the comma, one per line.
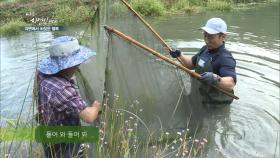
(133,74)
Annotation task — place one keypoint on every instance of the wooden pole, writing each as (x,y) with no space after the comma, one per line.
(149,27)
(192,73)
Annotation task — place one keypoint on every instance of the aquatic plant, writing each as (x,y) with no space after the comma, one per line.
(13,147)
(120,137)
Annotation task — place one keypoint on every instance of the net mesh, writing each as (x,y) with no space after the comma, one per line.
(133,74)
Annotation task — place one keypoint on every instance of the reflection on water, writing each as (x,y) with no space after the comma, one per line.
(249,128)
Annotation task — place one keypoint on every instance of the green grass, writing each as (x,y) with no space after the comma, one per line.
(184,6)
(148,7)
(219,5)
(12,27)
(66,14)
(180,4)
(62,12)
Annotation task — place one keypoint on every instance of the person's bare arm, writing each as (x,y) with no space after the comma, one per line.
(89,114)
(226,83)
(187,61)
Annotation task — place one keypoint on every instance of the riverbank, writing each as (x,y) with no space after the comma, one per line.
(17,14)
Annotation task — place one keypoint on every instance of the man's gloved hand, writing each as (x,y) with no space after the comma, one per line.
(210,78)
(175,53)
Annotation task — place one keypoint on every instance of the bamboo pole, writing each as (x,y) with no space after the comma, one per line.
(149,27)
(192,73)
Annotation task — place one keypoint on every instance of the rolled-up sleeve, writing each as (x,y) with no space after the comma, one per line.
(68,100)
(228,65)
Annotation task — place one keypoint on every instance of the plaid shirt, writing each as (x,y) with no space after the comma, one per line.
(59,101)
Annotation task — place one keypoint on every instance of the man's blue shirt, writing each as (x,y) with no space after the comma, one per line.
(223,63)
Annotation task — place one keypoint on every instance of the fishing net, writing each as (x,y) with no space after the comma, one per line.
(140,80)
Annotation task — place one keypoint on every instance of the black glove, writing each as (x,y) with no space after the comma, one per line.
(210,78)
(175,53)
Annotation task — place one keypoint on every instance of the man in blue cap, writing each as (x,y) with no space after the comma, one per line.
(214,62)
(60,103)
